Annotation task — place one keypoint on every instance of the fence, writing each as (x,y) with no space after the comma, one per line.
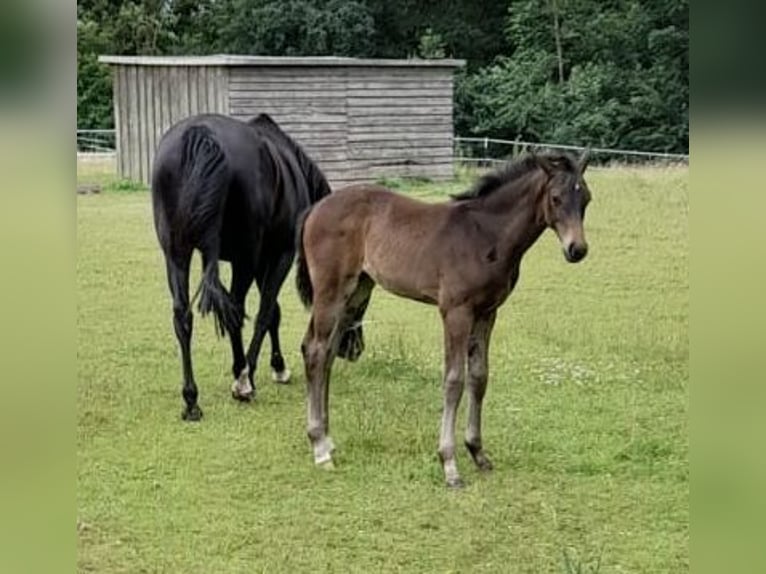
(96,141)
(487,151)
(467,150)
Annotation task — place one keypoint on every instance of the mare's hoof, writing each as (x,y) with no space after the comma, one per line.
(192,414)
(455,483)
(281,377)
(243,397)
(242,389)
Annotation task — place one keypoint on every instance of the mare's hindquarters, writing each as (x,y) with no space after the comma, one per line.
(189,187)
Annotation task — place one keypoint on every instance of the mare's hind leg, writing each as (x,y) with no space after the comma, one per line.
(478,371)
(279,371)
(178,282)
(269,283)
(241,279)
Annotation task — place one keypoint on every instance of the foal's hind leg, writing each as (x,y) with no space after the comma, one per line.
(478,371)
(319,348)
(178,282)
(241,279)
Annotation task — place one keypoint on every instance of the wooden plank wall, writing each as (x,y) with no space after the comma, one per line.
(358,123)
(309,103)
(400,123)
(150,99)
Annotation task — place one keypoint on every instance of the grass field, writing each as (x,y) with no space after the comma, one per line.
(586,415)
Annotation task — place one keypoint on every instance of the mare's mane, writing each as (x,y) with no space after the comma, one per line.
(266,125)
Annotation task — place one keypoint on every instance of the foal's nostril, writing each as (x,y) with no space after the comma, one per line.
(576,252)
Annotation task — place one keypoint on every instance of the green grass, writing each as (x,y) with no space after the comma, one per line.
(586,416)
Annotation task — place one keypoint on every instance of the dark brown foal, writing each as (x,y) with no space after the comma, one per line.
(462,256)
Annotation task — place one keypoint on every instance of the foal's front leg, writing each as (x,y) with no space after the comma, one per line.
(457,330)
(478,372)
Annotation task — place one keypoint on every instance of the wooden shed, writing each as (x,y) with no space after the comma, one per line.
(360,119)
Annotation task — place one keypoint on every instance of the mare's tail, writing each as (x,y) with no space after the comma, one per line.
(200,210)
(302,277)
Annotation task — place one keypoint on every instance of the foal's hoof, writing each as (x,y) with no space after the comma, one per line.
(192,414)
(485,465)
(323,450)
(479,458)
(482,462)
(281,377)
(455,483)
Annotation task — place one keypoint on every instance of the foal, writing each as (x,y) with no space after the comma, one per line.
(462,256)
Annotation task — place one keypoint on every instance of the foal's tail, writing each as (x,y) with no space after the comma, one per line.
(201,205)
(302,277)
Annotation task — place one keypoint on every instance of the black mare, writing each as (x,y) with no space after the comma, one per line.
(234,191)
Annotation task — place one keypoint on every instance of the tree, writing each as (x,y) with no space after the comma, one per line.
(606,74)
(588,72)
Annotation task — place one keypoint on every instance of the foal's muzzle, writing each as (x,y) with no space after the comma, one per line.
(574,251)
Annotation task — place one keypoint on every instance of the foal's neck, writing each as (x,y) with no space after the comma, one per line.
(512,215)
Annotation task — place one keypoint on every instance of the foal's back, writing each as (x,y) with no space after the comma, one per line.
(391,237)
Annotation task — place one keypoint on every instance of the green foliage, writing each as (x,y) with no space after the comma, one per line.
(109,27)
(568,71)
(624,78)
(125,185)
(94,86)
(431,45)
(297,27)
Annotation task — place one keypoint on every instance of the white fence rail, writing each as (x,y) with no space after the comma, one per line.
(487,151)
(96,141)
(470,150)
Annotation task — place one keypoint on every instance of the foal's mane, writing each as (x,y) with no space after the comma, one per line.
(311,171)
(513,171)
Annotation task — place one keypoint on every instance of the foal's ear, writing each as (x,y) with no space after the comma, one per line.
(544,163)
(582,163)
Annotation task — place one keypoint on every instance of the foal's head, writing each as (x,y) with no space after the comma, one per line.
(565,197)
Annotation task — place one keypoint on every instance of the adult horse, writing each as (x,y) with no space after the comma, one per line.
(233,191)
(462,256)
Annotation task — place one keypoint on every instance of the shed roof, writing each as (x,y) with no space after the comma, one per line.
(238,60)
